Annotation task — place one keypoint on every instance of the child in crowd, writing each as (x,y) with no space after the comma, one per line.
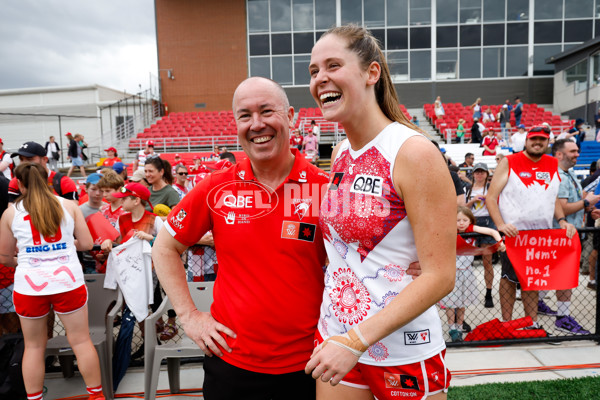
(94,201)
(465,291)
(110,184)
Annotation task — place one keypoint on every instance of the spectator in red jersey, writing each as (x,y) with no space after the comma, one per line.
(181,184)
(112,157)
(197,164)
(491,143)
(266,259)
(296,140)
(61,185)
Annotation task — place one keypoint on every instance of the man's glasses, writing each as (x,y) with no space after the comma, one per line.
(182,173)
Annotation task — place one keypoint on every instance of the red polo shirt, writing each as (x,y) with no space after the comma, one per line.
(271,259)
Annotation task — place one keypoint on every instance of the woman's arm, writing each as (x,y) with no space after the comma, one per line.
(487,231)
(8,243)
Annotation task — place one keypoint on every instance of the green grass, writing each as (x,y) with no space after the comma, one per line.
(587,388)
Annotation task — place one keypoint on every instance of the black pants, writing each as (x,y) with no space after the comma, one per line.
(223,381)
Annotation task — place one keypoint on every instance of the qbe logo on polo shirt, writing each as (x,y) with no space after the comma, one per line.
(367,184)
(253,199)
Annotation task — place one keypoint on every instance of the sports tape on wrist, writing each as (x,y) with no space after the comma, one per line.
(353,341)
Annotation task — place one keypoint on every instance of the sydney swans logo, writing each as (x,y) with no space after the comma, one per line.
(242,201)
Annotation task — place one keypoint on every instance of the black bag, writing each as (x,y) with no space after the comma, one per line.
(56,155)
(11,377)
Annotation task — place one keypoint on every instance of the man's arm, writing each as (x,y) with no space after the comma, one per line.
(199,326)
(491,199)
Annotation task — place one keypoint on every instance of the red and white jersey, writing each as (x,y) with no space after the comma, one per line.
(110,215)
(528,199)
(370,244)
(46,265)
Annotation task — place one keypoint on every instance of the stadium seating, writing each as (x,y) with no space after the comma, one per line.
(532,115)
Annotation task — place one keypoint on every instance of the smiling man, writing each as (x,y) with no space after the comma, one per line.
(263,213)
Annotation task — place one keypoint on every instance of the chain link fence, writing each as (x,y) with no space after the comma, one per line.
(201,264)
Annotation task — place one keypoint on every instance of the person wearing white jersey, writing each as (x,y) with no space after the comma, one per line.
(48,274)
(523,195)
(377,219)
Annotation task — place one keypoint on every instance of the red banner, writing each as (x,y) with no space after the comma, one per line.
(463,248)
(545,259)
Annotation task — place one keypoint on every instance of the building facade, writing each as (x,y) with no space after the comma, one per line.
(459,49)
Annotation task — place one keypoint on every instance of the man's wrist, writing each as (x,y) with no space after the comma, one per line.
(561,219)
(586,203)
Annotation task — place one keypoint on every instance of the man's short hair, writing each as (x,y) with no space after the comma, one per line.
(469,155)
(559,145)
(284,98)
(228,156)
(111,180)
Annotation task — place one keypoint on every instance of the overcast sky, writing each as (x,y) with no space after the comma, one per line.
(77,42)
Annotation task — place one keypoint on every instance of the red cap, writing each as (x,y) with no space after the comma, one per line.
(177,155)
(1,142)
(150,143)
(539,131)
(134,189)
(68,134)
(111,149)
(196,157)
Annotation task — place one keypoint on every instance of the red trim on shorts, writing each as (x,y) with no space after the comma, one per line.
(39,306)
(412,381)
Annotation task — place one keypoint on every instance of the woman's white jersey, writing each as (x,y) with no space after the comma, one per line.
(45,265)
(370,245)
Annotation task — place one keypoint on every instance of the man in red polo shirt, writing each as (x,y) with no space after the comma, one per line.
(263,213)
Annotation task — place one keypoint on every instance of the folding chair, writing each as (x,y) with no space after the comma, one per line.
(154,353)
(101,331)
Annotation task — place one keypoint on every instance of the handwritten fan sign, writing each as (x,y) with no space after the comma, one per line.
(545,259)
(464,248)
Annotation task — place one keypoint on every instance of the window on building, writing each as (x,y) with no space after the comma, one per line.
(420,12)
(577,75)
(517,33)
(447,36)
(548,9)
(351,12)
(258,16)
(324,14)
(303,15)
(470,63)
(420,65)
(420,38)
(547,32)
(281,16)
(446,64)
(374,13)
(578,31)
(301,75)
(259,66)
(303,42)
(579,8)
(516,61)
(397,12)
(447,11)
(259,45)
(397,39)
(470,35)
(493,34)
(398,65)
(517,10)
(493,62)
(540,54)
(470,11)
(380,36)
(596,70)
(281,43)
(493,10)
(282,70)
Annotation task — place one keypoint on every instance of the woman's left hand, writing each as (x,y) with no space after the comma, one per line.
(330,363)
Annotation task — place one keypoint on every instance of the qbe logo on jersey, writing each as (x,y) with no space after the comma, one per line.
(241,202)
(542,176)
(367,184)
